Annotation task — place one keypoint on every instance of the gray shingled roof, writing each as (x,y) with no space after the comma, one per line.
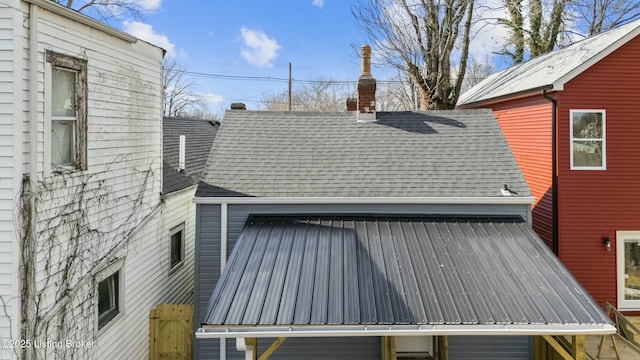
(458,153)
(199,138)
(552,70)
(351,270)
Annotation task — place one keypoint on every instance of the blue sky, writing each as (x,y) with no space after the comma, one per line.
(253,39)
(257,38)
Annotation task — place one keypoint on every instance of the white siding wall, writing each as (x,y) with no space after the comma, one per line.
(122,215)
(10,157)
(149,279)
(179,208)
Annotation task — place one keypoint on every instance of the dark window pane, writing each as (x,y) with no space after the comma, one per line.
(176,248)
(108,299)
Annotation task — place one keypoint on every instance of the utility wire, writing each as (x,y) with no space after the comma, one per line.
(277,79)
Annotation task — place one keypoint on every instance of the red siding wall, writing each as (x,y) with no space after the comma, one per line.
(593,203)
(526,124)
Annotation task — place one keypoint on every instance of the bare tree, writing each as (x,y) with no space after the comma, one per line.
(320,95)
(180,97)
(595,16)
(425,39)
(105,10)
(476,72)
(397,94)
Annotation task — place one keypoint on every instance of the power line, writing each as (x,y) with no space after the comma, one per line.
(278,79)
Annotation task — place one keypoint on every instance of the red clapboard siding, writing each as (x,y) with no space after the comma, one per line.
(526,124)
(593,204)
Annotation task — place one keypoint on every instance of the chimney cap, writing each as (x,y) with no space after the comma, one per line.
(365,53)
(238,106)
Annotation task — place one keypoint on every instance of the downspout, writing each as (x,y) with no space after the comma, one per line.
(28,240)
(554,171)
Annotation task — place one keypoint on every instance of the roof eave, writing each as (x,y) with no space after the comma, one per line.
(523,200)
(83,19)
(511,96)
(211,331)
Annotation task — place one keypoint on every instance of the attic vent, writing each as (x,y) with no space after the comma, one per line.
(238,106)
(181,160)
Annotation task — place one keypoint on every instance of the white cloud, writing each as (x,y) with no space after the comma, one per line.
(150,5)
(145,32)
(318,3)
(260,50)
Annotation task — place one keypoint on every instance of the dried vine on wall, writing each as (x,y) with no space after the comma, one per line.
(71,226)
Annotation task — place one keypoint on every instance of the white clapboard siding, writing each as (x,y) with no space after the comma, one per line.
(149,279)
(124,142)
(11,107)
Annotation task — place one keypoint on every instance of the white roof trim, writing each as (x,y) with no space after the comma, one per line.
(558,85)
(525,200)
(401,330)
(83,19)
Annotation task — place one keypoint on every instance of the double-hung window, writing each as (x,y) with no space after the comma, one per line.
(588,139)
(67,100)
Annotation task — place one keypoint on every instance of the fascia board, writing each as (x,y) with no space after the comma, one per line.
(524,200)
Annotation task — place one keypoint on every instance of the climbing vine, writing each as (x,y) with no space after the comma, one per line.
(72,225)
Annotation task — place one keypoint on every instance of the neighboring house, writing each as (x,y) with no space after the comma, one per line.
(84,251)
(186,145)
(572,115)
(370,235)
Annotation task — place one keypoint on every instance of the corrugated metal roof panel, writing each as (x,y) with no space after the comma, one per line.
(345,270)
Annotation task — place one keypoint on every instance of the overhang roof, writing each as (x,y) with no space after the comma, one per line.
(199,136)
(456,153)
(374,276)
(550,71)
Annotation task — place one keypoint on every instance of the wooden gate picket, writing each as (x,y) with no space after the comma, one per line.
(171,332)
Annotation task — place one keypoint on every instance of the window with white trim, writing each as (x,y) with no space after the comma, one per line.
(67,111)
(109,293)
(176,237)
(628,268)
(588,139)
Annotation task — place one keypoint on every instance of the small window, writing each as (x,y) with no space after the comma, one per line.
(177,245)
(588,145)
(109,293)
(108,299)
(67,111)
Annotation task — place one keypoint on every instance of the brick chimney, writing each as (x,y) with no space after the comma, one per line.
(366,88)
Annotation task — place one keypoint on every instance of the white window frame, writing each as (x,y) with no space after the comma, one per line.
(621,236)
(173,231)
(79,66)
(116,266)
(603,140)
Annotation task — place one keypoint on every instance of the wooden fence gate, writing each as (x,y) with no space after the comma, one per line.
(171,332)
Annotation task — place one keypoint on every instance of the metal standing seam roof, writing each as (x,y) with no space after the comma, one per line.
(360,275)
(552,70)
(456,153)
